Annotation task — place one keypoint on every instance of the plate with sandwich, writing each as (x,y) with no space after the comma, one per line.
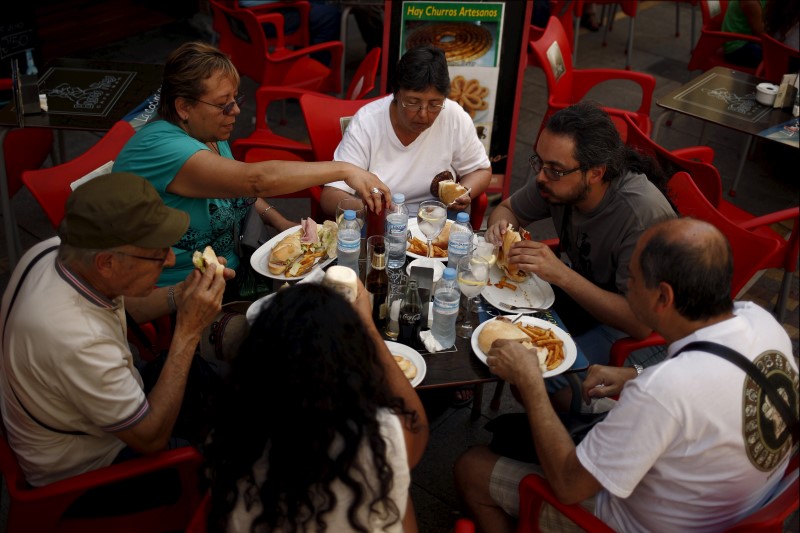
(294,253)
(552,347)
(510,286)
(418,243)
(409,360)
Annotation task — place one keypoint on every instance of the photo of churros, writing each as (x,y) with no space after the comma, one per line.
(561,349)
(469,94)
(460,41)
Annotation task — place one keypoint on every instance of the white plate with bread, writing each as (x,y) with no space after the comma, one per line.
(260,258)
(481,342)
(410,361)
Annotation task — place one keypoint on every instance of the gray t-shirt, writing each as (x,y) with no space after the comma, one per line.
(599,244)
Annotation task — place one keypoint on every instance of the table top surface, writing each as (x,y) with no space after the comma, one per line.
(728,97)
(88,94)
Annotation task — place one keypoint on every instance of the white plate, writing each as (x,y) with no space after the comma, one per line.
(533,292)
(412,355)
(570,350)
(415,232)
(430,262)
(260,257)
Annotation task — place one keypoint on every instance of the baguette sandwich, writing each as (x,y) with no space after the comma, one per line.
(510,237)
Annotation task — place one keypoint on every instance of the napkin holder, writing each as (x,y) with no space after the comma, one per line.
(424,277)
(786,90)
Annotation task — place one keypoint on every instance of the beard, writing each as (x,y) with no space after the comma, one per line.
(577,194)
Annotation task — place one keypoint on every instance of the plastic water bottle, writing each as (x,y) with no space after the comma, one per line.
(396,231)
(446,298)
(348,245)
(460,242)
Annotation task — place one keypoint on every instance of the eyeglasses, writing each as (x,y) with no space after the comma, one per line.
(160,260)
(433,109)
(227,109)
(553,175)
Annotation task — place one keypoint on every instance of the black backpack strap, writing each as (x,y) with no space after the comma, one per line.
(5,324)
(731,355)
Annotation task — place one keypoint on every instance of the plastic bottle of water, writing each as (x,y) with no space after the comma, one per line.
(460,242)
(396,231)
(348,245)
(446,298)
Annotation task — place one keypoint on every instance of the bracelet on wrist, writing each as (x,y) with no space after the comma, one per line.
(265,211)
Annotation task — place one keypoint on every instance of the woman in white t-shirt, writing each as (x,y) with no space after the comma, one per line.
(318,427)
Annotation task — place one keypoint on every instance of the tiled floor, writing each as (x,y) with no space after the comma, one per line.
(769,184)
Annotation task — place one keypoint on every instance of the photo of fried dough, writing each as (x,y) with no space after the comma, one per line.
(460,41)
(469,94)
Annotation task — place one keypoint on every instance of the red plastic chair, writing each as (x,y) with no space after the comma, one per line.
(567,86)
(535,490)
(242,38)
(752,252)
(777,57)
(23,149)
(363,83)
(300,38)
(51,186)
(708,51)
(708,180)
(43,508)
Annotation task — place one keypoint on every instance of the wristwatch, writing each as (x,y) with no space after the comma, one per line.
(638,369)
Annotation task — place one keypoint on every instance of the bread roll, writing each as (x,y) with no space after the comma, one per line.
(510,237)
(450,190)
(442,239)
(501,329)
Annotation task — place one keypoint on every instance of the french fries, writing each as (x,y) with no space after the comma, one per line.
(504,284)
(546,339)
(420,247)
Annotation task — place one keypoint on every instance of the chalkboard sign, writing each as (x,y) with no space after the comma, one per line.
(18,40)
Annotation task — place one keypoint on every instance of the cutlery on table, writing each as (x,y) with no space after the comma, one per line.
(518,308)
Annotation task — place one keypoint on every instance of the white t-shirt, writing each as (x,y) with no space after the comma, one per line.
(686,448)
(66,357)
(396,455)
(451,143)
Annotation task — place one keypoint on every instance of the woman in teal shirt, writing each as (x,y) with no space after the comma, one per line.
(186,157)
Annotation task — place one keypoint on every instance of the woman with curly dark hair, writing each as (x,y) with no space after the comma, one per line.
(318,428)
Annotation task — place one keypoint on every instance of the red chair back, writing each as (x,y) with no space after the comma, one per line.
(364,79)
(708,52)
(299,38)
(323,121)
(776,58)
(51,186)
(43,508)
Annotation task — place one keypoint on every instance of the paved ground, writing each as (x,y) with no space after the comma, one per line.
(769,184)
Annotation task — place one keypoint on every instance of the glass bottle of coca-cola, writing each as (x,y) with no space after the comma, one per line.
(410,317)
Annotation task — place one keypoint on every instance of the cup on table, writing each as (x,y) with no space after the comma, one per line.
(356,205)
(372,242)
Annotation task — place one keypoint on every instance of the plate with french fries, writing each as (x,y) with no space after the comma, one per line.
(501,292)
(561,349)
(418,244)
(313,257)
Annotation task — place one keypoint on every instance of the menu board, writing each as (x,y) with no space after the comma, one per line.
(470,36)
(74,91)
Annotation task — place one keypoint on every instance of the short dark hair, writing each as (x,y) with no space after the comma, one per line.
(420,68)
(699,271)
(597,142)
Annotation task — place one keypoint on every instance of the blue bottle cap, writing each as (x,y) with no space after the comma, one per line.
(462,217)
(449,273)
(349,214)
(398,198)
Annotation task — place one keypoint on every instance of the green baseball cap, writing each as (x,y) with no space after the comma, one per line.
(121,208)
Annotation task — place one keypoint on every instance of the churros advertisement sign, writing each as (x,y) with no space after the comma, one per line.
(470,34)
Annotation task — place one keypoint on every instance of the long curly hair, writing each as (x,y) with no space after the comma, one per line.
(306,375)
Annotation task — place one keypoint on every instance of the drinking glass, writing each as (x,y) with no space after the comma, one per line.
(357,205)
(473,275)
(486,249)
(431,218)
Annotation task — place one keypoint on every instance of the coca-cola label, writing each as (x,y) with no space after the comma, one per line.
(410,318)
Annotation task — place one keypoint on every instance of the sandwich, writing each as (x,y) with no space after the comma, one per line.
(502,328)
(206,259)
(285,253)
(445,187)
(443,238)
(509,239)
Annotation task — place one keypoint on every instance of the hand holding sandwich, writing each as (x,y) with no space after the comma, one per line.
(510,359)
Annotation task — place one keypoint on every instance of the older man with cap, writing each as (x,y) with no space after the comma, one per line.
(72,399)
